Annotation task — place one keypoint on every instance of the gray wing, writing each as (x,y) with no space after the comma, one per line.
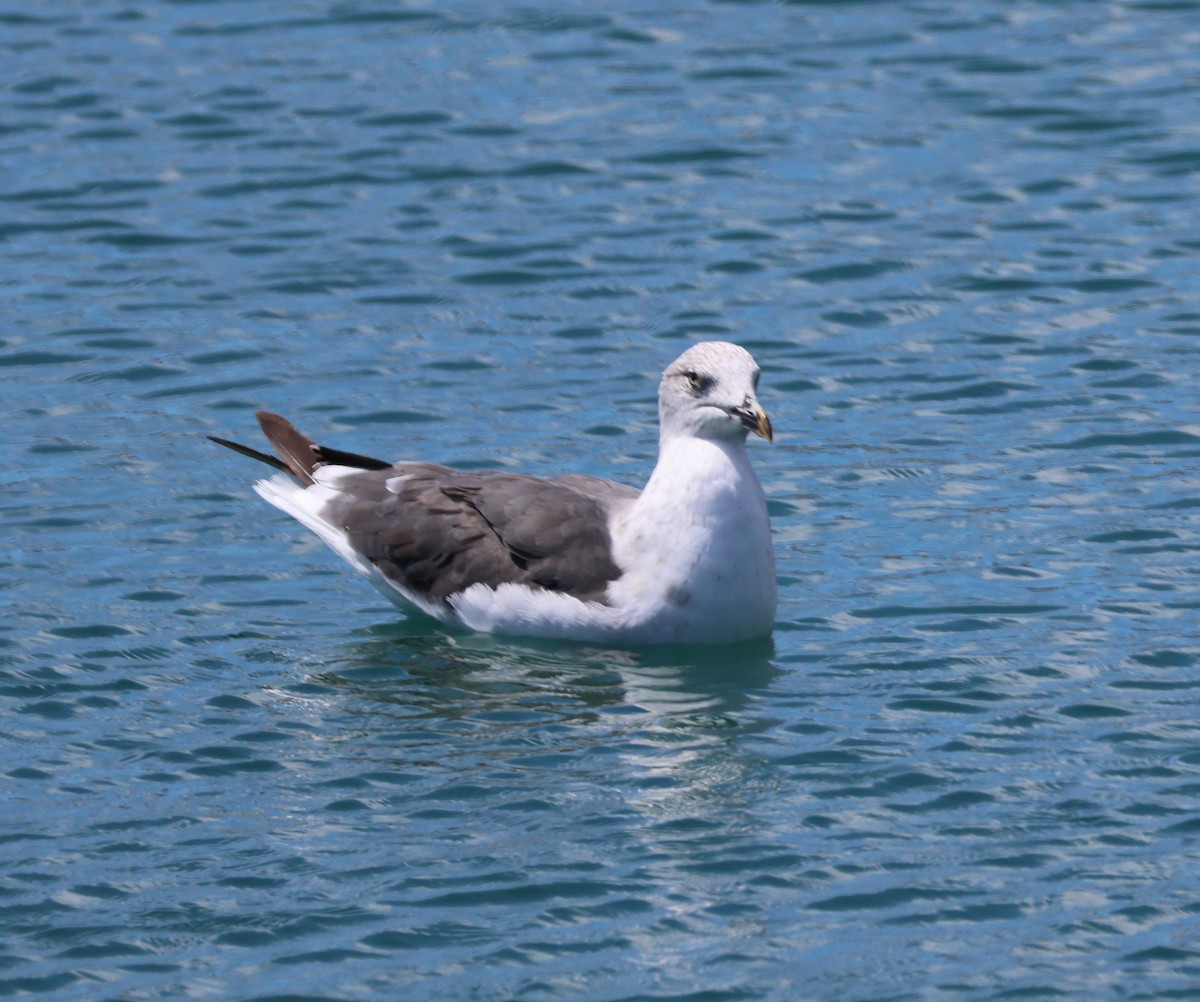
(436,531)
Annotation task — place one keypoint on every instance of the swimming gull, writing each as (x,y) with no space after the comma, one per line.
(687,559)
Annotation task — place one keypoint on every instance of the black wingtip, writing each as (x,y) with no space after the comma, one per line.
(336,457)
(245,450)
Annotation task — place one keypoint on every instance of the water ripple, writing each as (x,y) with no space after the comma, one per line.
(961,242)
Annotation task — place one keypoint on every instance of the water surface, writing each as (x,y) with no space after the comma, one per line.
(962,241)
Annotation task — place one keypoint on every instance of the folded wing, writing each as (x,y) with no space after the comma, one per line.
(436,531)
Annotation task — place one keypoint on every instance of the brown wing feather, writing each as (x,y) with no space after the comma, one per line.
(297,450)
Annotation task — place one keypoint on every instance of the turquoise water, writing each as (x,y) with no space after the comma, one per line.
(962,240)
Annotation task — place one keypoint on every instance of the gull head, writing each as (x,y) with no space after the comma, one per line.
(710,391)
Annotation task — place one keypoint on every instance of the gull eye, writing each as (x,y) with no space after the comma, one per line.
(697,382)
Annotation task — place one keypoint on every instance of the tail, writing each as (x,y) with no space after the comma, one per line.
(300,455)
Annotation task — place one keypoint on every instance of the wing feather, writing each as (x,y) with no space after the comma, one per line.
(436,531)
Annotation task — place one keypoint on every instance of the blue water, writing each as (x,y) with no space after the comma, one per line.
(962,239)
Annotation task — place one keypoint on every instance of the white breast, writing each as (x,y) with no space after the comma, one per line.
(695,549)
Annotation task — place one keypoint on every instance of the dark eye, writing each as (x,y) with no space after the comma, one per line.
(697,382)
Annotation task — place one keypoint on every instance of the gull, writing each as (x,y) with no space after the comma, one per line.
(688,559)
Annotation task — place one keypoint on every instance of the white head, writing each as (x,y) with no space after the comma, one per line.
(710,392)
